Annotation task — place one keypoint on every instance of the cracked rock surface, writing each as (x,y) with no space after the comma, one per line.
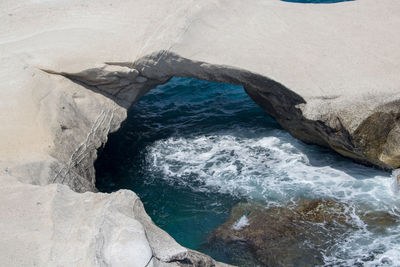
(70,70)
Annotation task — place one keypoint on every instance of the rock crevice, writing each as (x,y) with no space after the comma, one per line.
(326,73)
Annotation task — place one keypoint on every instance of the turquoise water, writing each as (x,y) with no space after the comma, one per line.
(192,149)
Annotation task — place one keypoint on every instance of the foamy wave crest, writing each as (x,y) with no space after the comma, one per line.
(277,169)
(365,248)
(268,168)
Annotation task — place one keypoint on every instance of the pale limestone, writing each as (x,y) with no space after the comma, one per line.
(325,72)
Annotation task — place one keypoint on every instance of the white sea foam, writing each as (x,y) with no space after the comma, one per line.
(277,169)
(241,223)
(269,168)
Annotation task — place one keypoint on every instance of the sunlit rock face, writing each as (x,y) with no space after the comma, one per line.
(192,149)
(326,73)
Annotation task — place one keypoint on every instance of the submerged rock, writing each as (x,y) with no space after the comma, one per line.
(379,221)
(323,92)
(398,178)
(293,235)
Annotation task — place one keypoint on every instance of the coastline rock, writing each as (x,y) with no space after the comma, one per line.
(141,79)
(54,226)
(281,236)
(398,178)
(291,235)
(327,73)
(379,220)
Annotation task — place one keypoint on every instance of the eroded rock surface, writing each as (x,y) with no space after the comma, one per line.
(372,138)
(328,73)
(294,235)
(55,226)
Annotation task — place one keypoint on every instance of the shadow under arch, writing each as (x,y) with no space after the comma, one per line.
(169,128)
(278,101)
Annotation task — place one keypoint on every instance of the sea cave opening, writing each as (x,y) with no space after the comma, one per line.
(203,158)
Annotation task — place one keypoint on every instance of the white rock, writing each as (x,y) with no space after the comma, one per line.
(52,225)
(333,67)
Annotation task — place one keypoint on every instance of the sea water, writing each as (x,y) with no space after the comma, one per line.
(192,149)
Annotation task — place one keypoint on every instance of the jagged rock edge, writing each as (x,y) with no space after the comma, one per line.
(278,101)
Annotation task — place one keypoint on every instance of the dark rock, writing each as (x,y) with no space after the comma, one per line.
(379,221)
(293,235)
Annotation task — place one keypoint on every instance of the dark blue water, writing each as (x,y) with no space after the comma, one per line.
(192,149)
(187,207)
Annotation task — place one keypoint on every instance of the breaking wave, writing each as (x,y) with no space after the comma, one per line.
(212,139)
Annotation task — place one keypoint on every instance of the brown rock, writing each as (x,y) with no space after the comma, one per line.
(293,235)
(398,180)
(379,221)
